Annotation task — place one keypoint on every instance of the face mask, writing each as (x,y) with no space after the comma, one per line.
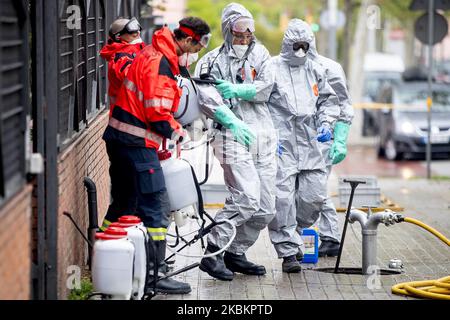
(187,59)
(136,41)
(299,58)
(240,50)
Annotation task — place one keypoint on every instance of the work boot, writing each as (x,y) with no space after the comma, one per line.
(329,248)
(291,265)
(299,256)
(165,286)
(239,263)
(215,266)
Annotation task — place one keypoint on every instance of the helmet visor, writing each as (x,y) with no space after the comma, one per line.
(243,25)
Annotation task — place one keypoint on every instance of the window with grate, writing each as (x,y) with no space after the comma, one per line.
(72,75)
(14,93)
(96,68)
(82,75)
(102,66)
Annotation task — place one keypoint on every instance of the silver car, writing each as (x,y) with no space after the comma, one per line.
(403,127)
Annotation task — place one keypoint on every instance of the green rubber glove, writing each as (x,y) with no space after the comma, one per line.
(240,130)
(338,150)
(230,90)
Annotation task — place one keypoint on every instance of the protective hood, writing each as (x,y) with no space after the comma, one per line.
(297,30)
(111,49)
(230,14)
(164,42)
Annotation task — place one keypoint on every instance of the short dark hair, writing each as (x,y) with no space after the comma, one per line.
(199,26)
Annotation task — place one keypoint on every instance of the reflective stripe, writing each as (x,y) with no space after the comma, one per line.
(105,225)
(132,87)
(162,230)
(150,103)
(157,234)
(134,131)
(157,102)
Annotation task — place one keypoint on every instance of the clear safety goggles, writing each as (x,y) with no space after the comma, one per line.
(243,25)
(301,45)
(204,40)
(132,26)
(243,36)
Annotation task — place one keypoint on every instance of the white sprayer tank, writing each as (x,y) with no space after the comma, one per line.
(188,108)
(112,264)
(180,183)
(137,233)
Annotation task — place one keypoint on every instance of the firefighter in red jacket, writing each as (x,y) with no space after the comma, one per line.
(123,44)
(142,117)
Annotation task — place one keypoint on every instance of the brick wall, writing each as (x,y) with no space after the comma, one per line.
(15,250)
(85,157)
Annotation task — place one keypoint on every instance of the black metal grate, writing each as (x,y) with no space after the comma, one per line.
(14,90)
(82,73)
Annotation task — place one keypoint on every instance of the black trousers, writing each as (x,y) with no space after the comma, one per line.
(138,188)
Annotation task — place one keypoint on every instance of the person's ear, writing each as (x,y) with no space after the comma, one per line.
(188,41)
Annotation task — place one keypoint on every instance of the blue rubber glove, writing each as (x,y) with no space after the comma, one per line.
(279,150)
(240,130)
(230,90)
(338,150)
(324,133)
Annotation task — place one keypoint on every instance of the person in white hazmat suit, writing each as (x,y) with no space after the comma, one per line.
(304,109)
(337,150)
(245,141)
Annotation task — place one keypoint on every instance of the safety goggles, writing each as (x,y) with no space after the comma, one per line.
(132,26)
(243,36)
(243,25)
(203,40)
(301,45)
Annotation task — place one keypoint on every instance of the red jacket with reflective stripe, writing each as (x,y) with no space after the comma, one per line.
(143,114)
(119,55)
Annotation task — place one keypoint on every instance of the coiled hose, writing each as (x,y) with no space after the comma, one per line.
(430,289)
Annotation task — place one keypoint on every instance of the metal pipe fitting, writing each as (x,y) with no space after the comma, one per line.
(369,224)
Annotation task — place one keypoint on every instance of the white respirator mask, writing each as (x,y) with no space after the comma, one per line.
(187,59)
(240,50)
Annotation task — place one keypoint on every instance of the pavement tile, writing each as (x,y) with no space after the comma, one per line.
(424,257)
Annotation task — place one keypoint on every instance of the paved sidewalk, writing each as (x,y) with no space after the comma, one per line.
(423,256)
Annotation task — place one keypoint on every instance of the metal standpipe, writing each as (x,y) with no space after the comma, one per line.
(369,223)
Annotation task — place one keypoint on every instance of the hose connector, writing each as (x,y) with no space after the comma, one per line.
(399,218)
(388,218)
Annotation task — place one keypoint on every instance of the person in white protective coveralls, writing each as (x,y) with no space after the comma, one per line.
(304,109)
(245,141)
(337,150)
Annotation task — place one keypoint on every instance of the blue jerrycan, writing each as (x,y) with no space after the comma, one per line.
(311,241)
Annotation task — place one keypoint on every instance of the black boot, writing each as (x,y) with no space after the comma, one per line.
(291,265)
(166,286)
(239,263)
(215,266)
(299,256)
(329,248)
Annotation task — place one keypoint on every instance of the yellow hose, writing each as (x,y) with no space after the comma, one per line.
(428,228)
(431,289)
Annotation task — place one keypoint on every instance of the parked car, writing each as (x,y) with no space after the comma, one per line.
(442,71)
(379,68)
(403,126)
